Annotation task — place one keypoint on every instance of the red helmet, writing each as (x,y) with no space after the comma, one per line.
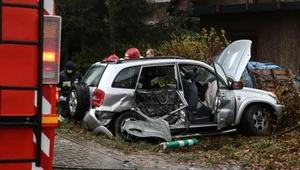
(133,53)
(112,57)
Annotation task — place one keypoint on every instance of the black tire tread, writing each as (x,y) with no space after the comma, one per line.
(83,100)
(246,121)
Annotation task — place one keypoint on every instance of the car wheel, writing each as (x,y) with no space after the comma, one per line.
(78,101)
(256,120)
(120,121)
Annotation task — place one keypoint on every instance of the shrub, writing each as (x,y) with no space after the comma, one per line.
(289,96)
(203,46)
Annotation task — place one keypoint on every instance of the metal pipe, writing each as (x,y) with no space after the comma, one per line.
(179,143)
(40,83)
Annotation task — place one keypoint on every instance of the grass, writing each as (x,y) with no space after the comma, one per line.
(250,152)
(270,152)
(77,132)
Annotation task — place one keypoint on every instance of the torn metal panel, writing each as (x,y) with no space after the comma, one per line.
(150,128)
(156,103)
(91,122)
(160,103)
(160,108)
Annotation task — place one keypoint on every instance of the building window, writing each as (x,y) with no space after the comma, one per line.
(250,35)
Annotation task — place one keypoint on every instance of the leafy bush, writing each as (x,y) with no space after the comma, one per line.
(287,92)
(289,96)
(203,46)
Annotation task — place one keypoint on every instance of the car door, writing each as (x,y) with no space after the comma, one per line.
(217,96)
(224,108)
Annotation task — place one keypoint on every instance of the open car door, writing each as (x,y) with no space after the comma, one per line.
(231,63)
(224,108)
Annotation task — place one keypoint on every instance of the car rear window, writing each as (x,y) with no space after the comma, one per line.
(93,76)
(127,78)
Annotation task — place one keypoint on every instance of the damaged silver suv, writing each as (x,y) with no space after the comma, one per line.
(166,97)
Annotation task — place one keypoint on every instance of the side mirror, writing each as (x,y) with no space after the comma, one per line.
(237,85)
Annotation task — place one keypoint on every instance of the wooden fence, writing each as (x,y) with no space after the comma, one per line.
(270,79)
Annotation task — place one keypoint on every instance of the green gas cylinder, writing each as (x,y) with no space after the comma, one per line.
(179,143)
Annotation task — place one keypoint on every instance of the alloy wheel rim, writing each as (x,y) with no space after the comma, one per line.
(260,120)
(73,102)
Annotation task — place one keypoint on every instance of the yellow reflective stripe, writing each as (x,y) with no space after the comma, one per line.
(66,83)
(160,81)
(50,119)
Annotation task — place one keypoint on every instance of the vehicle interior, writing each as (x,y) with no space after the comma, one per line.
(157,96)
(197,94)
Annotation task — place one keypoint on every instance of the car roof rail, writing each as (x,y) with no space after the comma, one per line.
(148,58)
(109,61)
(119,61)
(161,57)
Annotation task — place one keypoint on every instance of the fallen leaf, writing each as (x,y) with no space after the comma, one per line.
(246,150)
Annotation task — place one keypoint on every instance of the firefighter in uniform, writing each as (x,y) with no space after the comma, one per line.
(67,77)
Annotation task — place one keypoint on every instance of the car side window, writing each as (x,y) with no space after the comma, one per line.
(156,77)
(127,78)
(93,76)
(203,75)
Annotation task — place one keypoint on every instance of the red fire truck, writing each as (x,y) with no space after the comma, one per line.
(29,70)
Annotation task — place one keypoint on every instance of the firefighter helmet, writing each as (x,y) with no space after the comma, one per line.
(112,57)
(133,53)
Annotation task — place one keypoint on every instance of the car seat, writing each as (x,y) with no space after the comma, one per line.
(199,112)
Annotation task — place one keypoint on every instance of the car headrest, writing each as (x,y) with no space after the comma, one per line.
(197,77)
(188,75)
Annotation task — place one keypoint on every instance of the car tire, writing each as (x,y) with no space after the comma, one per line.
(256,120)
(119,122)
(78,101)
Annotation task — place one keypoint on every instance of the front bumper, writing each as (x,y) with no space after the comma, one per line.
(278,110)
(91,122)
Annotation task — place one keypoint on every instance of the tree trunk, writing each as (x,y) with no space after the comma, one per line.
(112,26)
(112,30)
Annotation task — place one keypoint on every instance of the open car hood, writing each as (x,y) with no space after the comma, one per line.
(234,58)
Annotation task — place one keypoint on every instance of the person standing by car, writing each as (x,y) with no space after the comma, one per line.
(67,77)
(150,53)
